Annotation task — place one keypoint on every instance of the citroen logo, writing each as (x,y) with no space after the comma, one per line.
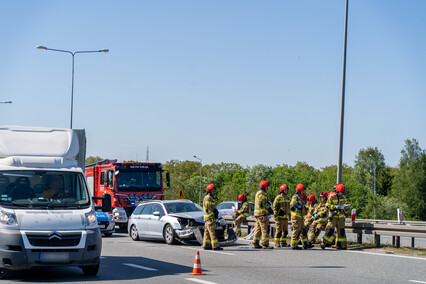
(55,235)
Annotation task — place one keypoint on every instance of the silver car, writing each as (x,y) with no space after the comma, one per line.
(171,221)
(230,207)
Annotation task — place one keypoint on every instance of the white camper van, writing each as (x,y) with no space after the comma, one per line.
(47,216)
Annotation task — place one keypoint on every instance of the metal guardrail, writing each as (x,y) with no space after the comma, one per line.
(377,228)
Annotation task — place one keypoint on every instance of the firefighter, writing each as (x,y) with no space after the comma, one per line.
(261,212)
(310,206)
(242,214)
(337,210)
(320,218)
(210,215)
(297,206)
(281,213)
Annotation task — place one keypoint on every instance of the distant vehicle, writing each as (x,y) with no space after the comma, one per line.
(127,183)
(230,207)
(106,223)
(171,221)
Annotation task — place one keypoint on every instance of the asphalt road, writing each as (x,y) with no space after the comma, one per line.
(127,261)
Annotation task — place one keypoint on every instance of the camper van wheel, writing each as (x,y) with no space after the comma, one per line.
(3,273)
(91,270)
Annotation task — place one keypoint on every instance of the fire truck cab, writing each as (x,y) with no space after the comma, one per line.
(127,183)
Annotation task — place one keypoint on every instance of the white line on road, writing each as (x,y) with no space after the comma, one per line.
(200,281)
(140,267)
(212,251)
(383,254)
(416,281)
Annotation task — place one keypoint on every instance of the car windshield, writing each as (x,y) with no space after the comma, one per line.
(43,189)
(182,207)
(138,181)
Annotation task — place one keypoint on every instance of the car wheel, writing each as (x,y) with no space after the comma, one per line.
(90,270)
(4,273)
(134,233)
(169,234)
(108,234)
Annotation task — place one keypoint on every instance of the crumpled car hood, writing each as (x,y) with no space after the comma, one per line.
(197,216)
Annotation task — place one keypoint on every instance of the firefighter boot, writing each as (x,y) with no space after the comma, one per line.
(256,246)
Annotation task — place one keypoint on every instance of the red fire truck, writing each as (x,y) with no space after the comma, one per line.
(127,183)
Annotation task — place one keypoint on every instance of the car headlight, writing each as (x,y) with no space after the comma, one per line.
(90,218)
(116,213)
(8,219)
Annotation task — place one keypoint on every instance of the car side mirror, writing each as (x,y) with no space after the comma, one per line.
(157,213)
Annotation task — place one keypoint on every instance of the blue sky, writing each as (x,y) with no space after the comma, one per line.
(229,81)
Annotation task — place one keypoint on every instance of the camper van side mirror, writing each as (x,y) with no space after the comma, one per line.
(106,203)
(168,179)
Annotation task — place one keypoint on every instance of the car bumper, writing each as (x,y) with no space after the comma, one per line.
(17,252)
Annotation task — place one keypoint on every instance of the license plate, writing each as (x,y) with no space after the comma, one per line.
(54,257)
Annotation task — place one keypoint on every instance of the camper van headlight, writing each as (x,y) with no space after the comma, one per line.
(91,218)
(8,218)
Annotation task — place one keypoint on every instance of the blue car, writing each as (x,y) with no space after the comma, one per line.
(106,223)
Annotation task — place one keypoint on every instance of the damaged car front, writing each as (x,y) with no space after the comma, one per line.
(172,221)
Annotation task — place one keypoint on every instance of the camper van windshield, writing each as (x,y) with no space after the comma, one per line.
(43,189)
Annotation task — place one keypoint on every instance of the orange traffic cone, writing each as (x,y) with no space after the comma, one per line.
(197,265)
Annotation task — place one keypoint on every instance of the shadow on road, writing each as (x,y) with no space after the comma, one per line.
(112,268)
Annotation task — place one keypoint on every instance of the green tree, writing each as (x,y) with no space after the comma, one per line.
(92,159)
(369,168)
(409,185)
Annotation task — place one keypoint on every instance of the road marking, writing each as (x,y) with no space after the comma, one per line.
(200,281)
(212,251)
(416,281)
(393,255)
(140,267)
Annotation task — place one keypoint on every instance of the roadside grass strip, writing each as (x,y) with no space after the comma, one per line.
(140,267)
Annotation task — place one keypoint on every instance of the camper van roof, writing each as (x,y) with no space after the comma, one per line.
(20,145)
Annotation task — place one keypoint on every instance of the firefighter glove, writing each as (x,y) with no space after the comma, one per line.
(316,216)
(216,213)
(346,207)
(338,207)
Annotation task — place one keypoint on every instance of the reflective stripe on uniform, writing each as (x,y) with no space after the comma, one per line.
(245,214)
(295,214)
(215,241)
(329,239)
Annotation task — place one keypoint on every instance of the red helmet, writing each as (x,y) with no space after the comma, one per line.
(339,188)
(300,187)
(283,187)
(324,194)
(210,187)
(304,196)
(312,198)
(242,198)
(264,184)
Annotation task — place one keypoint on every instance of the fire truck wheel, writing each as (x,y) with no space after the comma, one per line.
(134,233)
(169,234)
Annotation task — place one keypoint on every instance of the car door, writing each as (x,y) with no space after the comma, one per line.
(136,218)
(143,221)
(155,223)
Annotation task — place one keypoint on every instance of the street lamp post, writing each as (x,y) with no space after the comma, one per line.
(201,166)
(72,80)
(342,107)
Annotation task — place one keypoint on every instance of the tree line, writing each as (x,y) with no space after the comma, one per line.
(373,188)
